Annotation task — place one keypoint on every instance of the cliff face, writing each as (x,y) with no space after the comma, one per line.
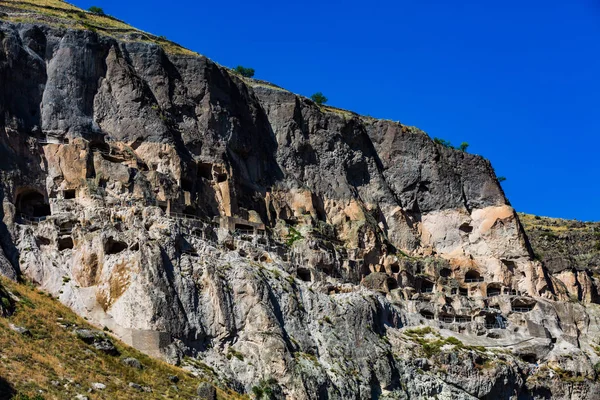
(289,247)
(570,250)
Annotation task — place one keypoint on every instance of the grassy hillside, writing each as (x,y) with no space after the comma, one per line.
(51,362)
(59,13)
(562,243)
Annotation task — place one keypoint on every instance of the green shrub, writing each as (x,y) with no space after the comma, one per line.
(319,98)
(233,353)
(96,10)
(293,236)
(245,72)
(432,348)
(22,396)
(264,389)
(443,142)
(419,331)
(597,368)
(501,179)
(454,341)
(463,146)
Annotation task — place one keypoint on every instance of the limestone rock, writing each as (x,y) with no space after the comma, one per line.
(20,330)
(132,362)
(206,391)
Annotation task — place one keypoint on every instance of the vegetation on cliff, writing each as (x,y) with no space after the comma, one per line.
(43,356)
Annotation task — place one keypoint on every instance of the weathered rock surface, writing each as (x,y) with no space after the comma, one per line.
(570,251)
(280,247)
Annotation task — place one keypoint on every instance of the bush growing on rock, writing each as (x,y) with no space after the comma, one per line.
(319,98)
(96,10)
(245,72)
(443,142)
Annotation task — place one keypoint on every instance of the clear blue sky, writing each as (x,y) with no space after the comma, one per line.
(518,80)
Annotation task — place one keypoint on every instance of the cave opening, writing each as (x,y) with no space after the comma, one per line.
(187,184)
(243,228)
(466,228)
(473,276)
(221,178)
(427,314)
(391,283)
(494,289)
(205,171)
(65,243)
(304,274)
(69,194)
(113,246)
(445,272)
(529,358)
(426,286)
(32,203)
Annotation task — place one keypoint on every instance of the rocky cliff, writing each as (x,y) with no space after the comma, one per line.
(570,250)
(279,247)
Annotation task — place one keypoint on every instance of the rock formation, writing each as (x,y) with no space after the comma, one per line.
(292,248)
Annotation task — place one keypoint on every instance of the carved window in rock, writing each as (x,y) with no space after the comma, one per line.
(426,286)
(445,272)
(69,194)
(473,276)
(304,274)
(113,246)
(427,314)
(243,228)
(494,289)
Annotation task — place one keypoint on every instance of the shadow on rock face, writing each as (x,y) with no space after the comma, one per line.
(8,253)
(6,389)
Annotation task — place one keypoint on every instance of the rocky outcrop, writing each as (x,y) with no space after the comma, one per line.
(278,246)
(570,251)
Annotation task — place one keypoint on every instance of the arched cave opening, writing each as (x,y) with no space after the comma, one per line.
(445,272)
(427,314)
(473,276)
(32,203)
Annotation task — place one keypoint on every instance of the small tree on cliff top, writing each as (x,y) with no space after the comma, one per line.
(243,71)
(319,98)
(96,10)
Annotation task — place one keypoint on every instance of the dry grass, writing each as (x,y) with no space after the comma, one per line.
(340,111)
(59,13)
(53,353)
(531,222)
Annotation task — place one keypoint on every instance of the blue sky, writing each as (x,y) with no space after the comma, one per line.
(518,80)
